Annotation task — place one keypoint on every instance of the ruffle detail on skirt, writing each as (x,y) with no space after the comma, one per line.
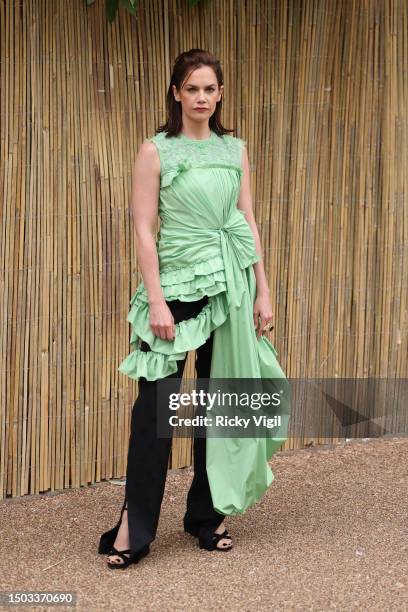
(150,365)
(191,333)
(189,283)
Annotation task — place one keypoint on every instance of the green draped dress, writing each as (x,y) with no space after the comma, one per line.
(206,247)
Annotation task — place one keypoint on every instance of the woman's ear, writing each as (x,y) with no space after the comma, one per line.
(175,94)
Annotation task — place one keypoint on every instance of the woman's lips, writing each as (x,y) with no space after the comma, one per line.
(201,110)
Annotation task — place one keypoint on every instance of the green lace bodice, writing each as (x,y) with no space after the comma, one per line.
(180,153)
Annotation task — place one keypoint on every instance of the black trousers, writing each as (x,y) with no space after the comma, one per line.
(148,455)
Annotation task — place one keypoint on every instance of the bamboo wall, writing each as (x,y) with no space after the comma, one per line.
(318,89)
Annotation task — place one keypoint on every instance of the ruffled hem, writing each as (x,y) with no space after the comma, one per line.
(149,364)
(189,283)
(191,333)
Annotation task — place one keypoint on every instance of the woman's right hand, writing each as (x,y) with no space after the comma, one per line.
(161,320)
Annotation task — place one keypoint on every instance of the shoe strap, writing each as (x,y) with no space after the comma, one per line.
(221,536)
(119,553)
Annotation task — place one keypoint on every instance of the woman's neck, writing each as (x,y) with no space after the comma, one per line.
(201,132)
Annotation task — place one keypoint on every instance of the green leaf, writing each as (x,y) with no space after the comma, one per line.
(130,5)
(111,9)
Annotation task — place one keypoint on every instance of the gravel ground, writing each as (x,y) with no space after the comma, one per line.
(329,534)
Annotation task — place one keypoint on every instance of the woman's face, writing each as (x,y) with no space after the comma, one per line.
(199,90)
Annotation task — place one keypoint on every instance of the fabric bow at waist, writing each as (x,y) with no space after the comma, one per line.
(236,243)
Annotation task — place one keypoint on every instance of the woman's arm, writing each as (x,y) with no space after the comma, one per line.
(262,306)
(144,205)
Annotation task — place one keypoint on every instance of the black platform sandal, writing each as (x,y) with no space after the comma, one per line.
(106,547)
(127,560)
(208,540)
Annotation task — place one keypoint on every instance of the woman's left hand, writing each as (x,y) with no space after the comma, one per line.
(262,314)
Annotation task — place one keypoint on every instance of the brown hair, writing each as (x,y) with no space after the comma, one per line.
(186,63)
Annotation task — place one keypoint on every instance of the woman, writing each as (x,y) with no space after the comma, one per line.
(204,288)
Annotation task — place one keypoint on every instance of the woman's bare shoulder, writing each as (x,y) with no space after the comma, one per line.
(148,158)
(147,147)
(148,150)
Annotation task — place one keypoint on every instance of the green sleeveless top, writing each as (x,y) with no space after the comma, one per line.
(206,247)
(199,189)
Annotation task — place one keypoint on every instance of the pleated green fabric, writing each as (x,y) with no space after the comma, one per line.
(206,247)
